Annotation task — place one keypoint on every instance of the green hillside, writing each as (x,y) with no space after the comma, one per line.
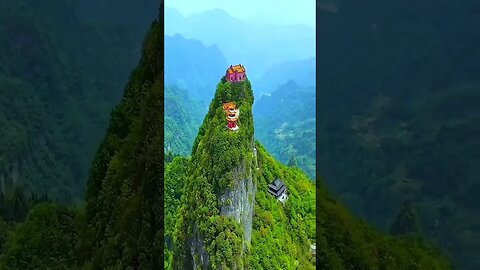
(182,120)
(285,124)
(60,75)
(399,113)
(201,190)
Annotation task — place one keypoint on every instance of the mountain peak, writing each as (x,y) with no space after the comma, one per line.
(216,137)
(219,194)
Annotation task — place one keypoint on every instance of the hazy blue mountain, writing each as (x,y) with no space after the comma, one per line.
(257,46)
(285,124)
(302,72)
(191,65)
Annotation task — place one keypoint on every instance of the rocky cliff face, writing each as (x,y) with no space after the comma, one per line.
(238,202)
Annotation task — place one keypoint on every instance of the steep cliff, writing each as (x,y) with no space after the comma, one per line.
(220,191)
(226,219)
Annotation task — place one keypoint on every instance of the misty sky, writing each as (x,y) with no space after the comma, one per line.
(268,11)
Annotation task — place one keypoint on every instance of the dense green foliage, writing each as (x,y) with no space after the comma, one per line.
(46,240)
(124,212)
(220,159)
(16,207)
(398,113)
(347,243)
(282,235)
(218,154)
(285,124)
(60,75)
(175,178)
(182,120)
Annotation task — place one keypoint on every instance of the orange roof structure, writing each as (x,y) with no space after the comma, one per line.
(237,68)
(228,105)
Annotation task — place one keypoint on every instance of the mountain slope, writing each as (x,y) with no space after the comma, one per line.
(220,222)
(192,66)
(239,40)
(182,120)
(398,112)
(124,213)
(344,242)
(60,76)
(225,218)
(300,71)
(285,124)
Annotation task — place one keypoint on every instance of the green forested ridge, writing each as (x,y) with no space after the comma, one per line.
(398,113)
(60,75)
(221,160)
(344,242)
(182,120)
(285,124)
(46,240)
(122,223)
(217,155)
(124,213)
(281,235)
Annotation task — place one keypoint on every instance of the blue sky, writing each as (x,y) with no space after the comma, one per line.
(279,12)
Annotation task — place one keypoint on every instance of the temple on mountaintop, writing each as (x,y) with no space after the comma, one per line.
(236,73)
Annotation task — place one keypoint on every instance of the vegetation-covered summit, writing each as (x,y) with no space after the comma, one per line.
(225,163)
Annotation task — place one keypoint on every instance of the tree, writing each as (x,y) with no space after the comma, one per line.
(292,162)
(406,221)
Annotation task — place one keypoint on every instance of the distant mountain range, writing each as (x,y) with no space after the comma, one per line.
(285,124)
(191,65)
(257,46)
(302,72)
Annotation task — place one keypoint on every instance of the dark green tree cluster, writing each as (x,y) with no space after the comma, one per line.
(124,213)
(345,242)
(46,240)
(15,208)
(406,222)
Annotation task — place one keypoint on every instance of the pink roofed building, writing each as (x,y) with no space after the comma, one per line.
(236,73)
